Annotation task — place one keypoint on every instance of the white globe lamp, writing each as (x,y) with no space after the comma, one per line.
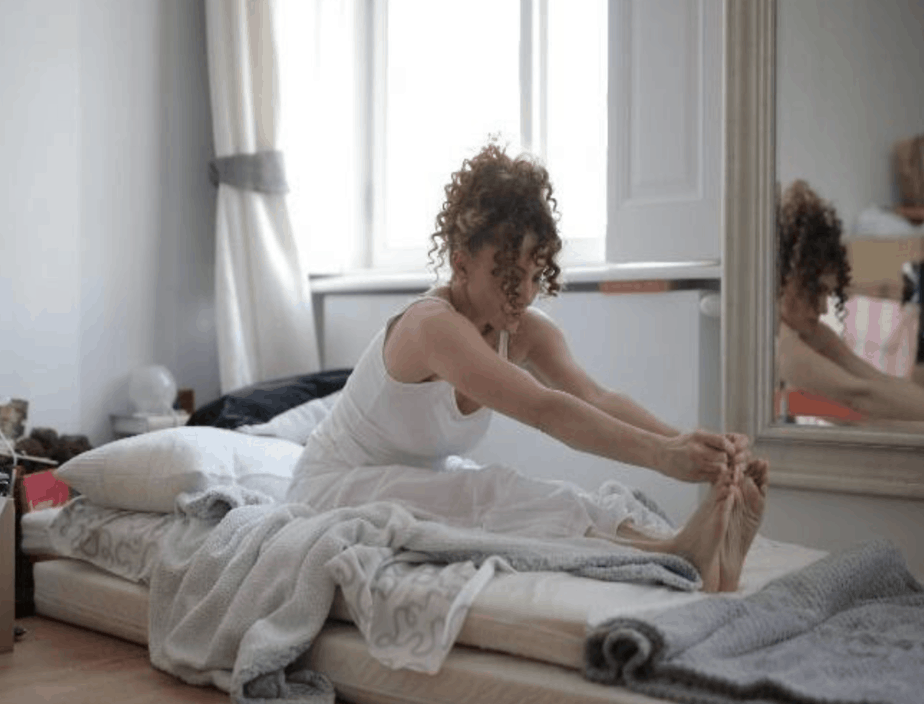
(152,390)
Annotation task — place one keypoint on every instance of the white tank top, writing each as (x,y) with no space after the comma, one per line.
(380,421)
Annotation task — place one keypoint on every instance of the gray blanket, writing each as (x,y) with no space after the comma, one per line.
(236,604)
(847,629)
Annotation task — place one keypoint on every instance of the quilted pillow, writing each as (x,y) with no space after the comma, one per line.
(147,472)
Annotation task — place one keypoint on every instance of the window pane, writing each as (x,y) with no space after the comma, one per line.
(577,117)
(318,130)
(452,80)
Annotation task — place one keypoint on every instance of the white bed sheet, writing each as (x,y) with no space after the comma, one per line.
(545,615)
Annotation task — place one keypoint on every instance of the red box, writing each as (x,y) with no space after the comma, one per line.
(44,490)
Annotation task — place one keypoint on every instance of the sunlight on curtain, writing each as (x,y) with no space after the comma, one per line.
(264,314)
(318,130)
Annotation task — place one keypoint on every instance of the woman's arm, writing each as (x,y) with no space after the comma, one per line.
(877,396)
(551,362)
(456,352)
(826,342)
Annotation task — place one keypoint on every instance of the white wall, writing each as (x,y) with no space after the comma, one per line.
(40,208)
(108,214)
(849,87)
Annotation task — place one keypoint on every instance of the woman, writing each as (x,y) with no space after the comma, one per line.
(810,355)
(423,393)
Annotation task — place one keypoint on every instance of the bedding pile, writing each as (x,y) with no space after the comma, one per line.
(241,583)
(237,606)
(846,629)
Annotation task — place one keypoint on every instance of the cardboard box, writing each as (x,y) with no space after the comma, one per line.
(7,572)
(876,264)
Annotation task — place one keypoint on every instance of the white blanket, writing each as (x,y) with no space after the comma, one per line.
(237,605)
(409,611)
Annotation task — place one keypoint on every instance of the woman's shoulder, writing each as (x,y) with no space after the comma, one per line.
(798,360)
(436,301)
(536,322)
(429,312)
(433,302)
(536,331)
(790,347)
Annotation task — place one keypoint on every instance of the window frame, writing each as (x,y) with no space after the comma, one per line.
(372,253)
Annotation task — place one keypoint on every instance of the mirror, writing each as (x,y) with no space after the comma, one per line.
(849,107)
(813,93)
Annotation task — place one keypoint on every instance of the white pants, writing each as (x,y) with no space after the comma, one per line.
(494,498)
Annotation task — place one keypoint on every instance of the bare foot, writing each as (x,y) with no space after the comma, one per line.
(747,509)
(701,539)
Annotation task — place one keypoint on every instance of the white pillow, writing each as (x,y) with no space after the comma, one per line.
(147,472)
(297,423)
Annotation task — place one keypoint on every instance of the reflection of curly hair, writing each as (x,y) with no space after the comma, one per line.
(810,243)
(494,199)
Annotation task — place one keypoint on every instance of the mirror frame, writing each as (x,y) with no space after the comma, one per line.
(805,457)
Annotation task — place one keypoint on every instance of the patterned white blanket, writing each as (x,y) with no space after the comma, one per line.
(236,606)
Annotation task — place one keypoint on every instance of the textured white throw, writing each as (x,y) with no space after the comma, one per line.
(238,604)
(409,611)
(237,607)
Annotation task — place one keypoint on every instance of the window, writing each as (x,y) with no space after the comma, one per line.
(381,101)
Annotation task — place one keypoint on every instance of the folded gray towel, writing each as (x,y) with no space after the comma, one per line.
(848,629)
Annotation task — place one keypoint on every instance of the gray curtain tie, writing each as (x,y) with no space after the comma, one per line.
(263,171)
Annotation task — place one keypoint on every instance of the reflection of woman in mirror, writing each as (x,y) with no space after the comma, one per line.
(810,355)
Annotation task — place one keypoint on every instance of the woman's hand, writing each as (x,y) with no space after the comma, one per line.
(742,454)
(701,456)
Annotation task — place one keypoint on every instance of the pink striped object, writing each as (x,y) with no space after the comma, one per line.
(883,332)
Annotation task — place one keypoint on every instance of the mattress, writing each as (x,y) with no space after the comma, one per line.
(79,593)
(538,615)
(36,539)
(468,676)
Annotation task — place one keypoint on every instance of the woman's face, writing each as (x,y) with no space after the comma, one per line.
(798,309)
(486,298)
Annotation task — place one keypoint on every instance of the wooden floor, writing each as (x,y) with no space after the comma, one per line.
(57,663)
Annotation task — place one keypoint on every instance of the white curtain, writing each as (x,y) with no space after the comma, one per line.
(265,321)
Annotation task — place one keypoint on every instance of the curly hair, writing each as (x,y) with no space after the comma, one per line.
(498,200)
(809,232)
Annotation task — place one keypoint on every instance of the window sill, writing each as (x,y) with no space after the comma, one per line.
(697,274)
